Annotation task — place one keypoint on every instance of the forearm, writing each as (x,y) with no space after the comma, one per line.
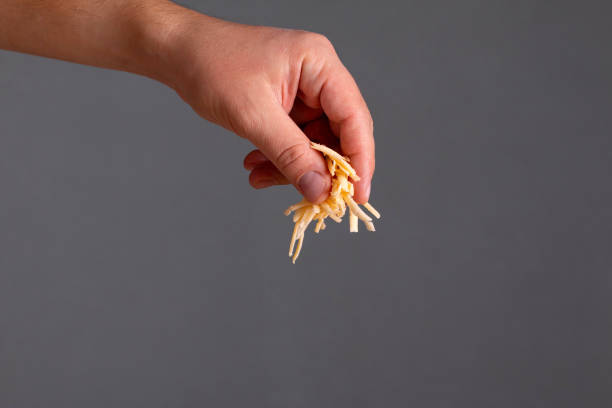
(127,35)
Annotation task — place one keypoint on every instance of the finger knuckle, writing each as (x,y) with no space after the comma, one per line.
(322,41)
(316,41)
(291,156)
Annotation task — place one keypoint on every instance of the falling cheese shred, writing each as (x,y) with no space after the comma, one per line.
(340,198)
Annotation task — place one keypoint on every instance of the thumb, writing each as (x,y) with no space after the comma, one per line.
(284,143)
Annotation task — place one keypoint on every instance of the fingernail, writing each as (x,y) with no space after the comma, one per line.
(312,185)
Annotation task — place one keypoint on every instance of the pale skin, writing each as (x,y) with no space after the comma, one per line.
(278,88)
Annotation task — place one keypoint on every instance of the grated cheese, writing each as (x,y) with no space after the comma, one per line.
(340,197)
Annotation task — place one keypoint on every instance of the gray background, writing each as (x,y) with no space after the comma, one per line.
(139,269)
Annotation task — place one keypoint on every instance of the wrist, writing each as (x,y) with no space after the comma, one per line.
(172,38)
(154,31)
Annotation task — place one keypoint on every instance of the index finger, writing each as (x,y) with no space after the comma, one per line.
(351,121)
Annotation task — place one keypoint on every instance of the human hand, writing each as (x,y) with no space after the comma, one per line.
(279,89)
(276,87)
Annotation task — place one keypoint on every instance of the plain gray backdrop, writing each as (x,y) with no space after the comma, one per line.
(139,269)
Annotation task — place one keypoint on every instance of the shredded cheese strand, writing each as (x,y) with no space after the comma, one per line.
(372,210)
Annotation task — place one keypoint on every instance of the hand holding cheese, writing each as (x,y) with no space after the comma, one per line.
(279,88)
